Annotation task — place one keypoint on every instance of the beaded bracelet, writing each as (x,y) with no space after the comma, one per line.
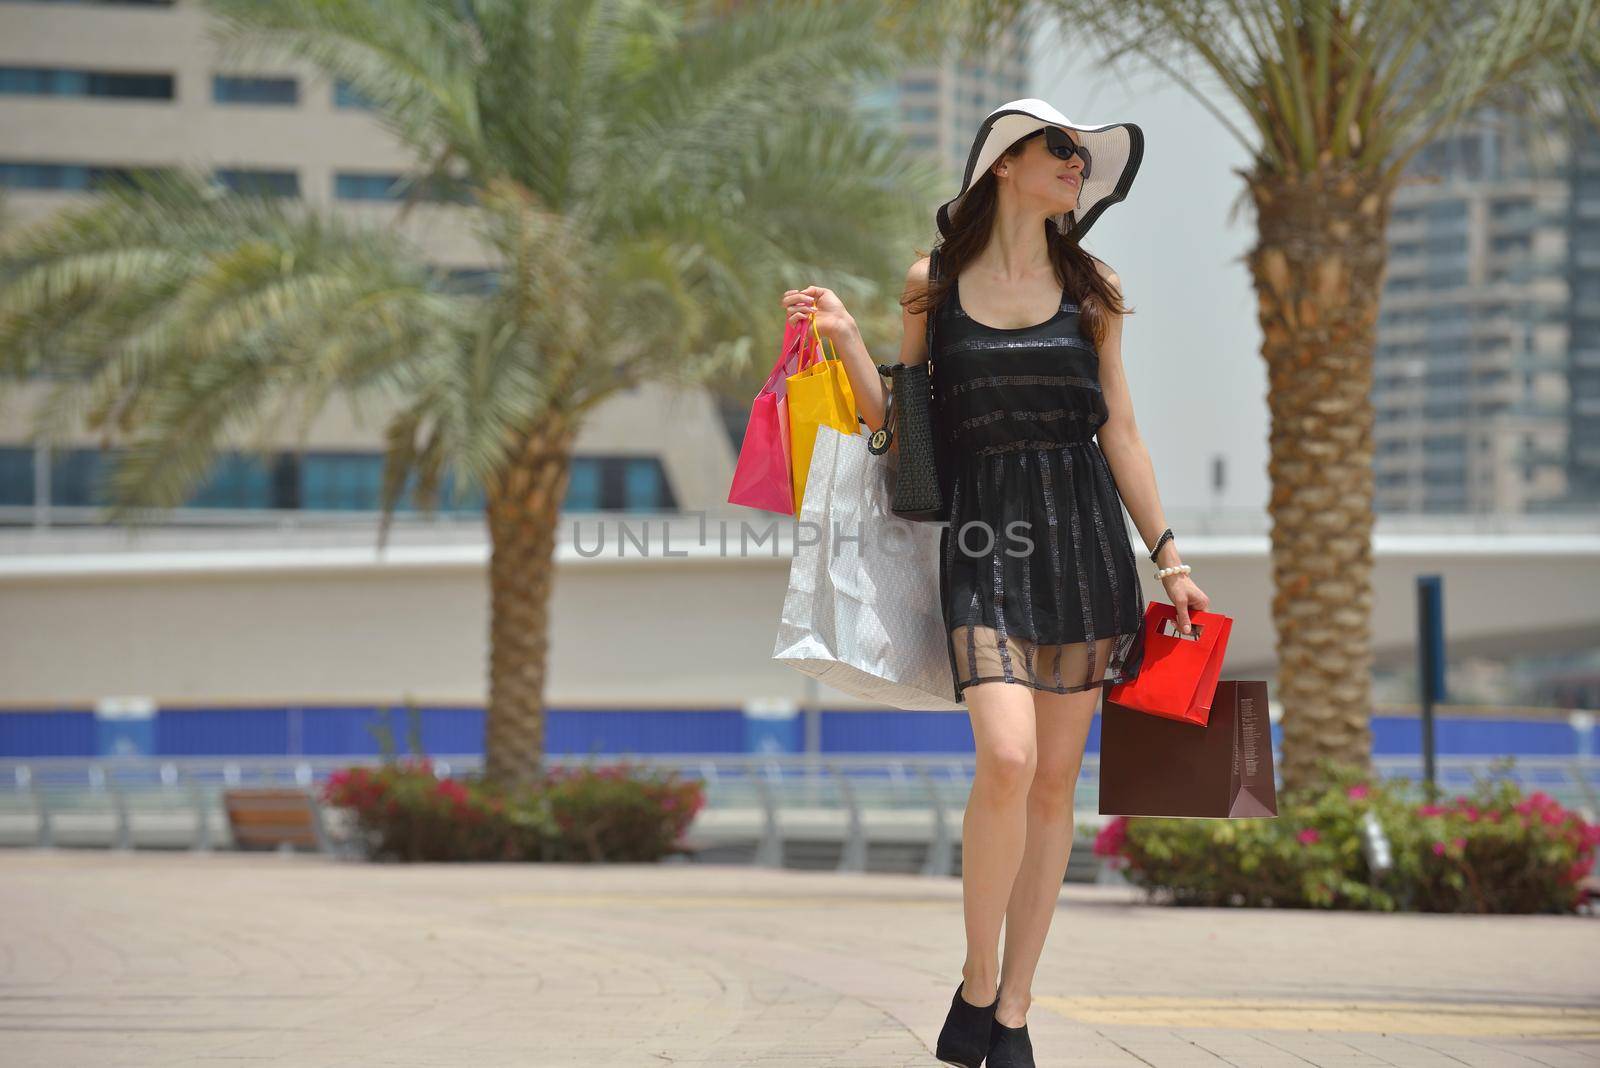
(1179,569)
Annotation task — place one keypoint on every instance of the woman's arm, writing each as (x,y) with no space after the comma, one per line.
(1132,468)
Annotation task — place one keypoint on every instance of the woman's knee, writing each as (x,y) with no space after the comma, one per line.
(1054,784)
(1006,767)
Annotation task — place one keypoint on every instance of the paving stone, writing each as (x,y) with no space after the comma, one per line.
(143,959)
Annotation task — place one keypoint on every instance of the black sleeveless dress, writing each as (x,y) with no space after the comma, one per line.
(1052,599)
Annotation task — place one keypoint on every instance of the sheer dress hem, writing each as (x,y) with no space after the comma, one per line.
(1105,660)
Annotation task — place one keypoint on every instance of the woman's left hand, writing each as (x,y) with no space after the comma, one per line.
(1185,597)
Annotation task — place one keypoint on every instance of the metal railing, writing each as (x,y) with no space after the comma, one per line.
(765,807)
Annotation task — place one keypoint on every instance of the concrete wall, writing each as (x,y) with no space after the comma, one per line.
(262,617)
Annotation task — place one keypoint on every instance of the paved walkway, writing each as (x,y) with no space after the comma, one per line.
(300,962)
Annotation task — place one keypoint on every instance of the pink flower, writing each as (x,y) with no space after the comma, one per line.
(1108,843)
(1307,836)
(1430,810)
(1461,843)
(1356,793)
(1438,849)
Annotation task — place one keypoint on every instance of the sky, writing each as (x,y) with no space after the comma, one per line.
(1191,349)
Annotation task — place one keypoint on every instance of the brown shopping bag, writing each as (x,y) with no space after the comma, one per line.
(1153,766)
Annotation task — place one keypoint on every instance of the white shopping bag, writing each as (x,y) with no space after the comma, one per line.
(862,612)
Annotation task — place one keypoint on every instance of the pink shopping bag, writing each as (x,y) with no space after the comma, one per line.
(762,477)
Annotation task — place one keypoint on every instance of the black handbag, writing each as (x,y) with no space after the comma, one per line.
(908,417)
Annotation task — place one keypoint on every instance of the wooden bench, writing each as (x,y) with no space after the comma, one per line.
(275,819)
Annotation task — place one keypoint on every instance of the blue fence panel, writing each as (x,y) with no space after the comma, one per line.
(896,732)
(222,732)
(677,730)
(46,733)
(348,730)
(1473,736)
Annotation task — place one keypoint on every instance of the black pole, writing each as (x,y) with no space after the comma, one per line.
(1430,667)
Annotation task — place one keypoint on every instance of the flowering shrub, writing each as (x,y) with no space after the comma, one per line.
(1497,851)
(403,811)
(617,812)
(1500,851)
(1300,859)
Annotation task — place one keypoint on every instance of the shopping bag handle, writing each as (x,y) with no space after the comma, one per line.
(823,346)
(790,359)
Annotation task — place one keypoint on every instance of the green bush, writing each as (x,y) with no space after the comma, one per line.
(1494,851)
(404,811)
(618,812)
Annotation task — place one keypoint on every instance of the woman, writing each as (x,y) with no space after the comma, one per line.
(1038,584)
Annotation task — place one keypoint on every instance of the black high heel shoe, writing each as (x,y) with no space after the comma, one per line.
(1009,1047)
(964,1039)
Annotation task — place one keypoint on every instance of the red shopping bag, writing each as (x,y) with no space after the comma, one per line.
(1178,674)
(762,478)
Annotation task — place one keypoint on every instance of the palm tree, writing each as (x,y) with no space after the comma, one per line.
(1337,96)
(649,176)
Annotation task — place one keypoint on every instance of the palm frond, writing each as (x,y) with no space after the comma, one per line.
(1352,81)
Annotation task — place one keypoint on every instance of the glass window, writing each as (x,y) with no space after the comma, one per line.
(238,89)
(358,185)
(16,476)
(236,481)
(62,176)
(346,95)
(583,485)
(1447,212)
(342,481)
(472,499)
(57,81)
(260,183)
(618,483)
(75,476)
(348,186)
(644,485)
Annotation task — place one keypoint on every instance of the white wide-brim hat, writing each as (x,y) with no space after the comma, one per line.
(1117,148)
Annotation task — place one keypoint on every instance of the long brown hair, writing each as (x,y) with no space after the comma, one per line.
(970,228)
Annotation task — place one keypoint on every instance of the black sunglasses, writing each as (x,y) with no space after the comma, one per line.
(1062,147)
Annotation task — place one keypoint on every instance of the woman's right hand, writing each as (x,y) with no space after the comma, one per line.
(833,321)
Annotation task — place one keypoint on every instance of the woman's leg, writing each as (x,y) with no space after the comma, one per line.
(1063,730)
(995,824)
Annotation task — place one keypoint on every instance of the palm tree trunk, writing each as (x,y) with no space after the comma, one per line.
(1318,269)
(523,513)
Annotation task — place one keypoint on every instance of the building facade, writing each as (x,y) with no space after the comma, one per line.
(1487,375)
(93,91)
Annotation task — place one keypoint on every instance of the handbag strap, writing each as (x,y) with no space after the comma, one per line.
(887,369)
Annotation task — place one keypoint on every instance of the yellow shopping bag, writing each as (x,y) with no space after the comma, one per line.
(819,395)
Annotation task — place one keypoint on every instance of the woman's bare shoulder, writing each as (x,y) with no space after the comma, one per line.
(917,276)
